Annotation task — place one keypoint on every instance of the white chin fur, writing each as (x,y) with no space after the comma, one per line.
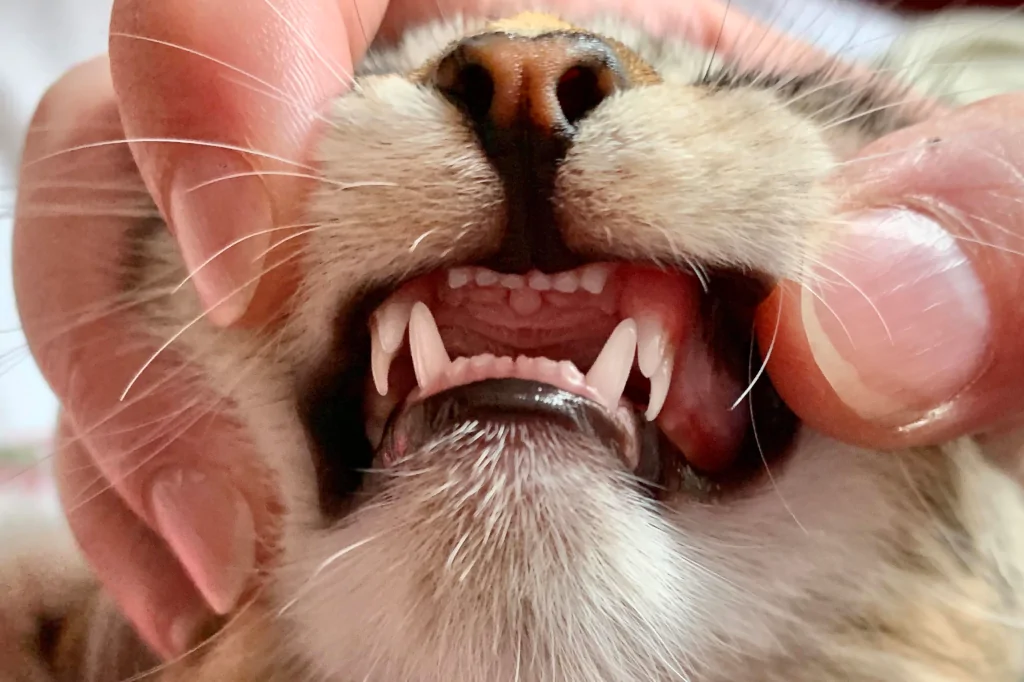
(584,581)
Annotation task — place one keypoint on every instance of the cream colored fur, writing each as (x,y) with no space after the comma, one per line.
(847,565)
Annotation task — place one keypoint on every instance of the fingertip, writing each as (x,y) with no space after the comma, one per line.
(134,566)
(211,529)
(221,122)
(911,335)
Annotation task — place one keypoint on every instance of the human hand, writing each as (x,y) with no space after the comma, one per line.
(171,471)
(915,338)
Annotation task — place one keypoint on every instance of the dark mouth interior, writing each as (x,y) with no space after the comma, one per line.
(333,407)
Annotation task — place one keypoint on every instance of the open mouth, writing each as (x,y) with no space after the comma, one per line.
(658,365)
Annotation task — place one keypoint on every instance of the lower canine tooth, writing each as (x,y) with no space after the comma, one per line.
(429,358)
(610,371)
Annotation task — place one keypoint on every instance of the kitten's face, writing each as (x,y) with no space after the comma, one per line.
(530,189)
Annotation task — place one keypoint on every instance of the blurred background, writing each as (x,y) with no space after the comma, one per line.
(39,40)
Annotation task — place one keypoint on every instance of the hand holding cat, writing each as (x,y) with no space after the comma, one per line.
(911,338)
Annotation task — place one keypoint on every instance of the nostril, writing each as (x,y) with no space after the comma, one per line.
(581,89)
(467,85)
(546,84)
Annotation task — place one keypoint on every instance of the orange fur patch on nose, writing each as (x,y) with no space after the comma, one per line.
(530,23)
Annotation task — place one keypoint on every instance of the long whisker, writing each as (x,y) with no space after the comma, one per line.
(167,140)
(764,363)
(760,447)
(240,240)
(196,320)
(303,176)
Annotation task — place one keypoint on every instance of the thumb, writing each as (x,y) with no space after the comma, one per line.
(913,335)
(219,101)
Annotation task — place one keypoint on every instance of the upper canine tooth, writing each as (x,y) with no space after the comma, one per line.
(594,277)
(429,358)
(656,357)
(392,318)
(387,330)
(611,370)
(660,383)
(380,359)
(652,343)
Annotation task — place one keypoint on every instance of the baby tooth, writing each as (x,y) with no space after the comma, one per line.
(486,278)
(380,360)
(458,277)
(429,358)
(611,370)
(651,344)
(594,277)
(512,281)
(659,388)
(392,318)
(566,282)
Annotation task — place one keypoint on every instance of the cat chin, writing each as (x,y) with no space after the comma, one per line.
(569,562)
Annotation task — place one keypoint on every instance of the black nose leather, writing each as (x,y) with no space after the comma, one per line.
(524,97)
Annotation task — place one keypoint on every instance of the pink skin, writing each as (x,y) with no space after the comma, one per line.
(176,534)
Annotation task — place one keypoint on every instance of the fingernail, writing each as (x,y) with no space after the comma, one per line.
(210,528)
(221,216)
(898,321)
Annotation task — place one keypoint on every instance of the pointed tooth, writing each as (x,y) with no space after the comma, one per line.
(659,387)
(380,360)
(429,358)
(611,370)
(652,341)
(392,318)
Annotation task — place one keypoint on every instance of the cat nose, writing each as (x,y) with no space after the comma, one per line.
(524,97)
(545,84)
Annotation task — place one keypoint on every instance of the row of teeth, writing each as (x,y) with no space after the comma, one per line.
(646,341)
(591,278)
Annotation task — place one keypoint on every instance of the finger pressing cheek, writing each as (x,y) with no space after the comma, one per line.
(915,335)
(221,101)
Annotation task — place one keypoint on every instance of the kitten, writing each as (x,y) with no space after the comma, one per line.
(507,408)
